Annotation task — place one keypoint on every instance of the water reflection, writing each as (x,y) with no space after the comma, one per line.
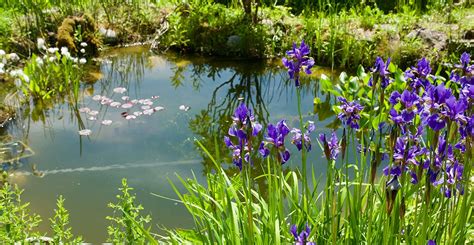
(149,151)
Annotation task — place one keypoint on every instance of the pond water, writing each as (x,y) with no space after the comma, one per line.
(150,150)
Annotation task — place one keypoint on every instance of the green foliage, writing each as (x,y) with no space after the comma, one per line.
(127,225)
(60,225)
(54,75)
(16,224)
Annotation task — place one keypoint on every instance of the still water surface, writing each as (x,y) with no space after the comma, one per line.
(150,150)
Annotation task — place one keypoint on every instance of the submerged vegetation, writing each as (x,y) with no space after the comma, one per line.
(398,160)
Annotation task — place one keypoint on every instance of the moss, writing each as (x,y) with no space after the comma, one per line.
(76,29)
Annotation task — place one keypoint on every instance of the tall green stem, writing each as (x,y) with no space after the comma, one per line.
(306,193)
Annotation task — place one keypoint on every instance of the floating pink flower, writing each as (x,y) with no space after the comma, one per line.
(106,122)
(92,118)
(106,101)
(97,97)
(85,132)
(127,105)
(148,112)
(137,113)
(125,98)
(159,108)
(115,104)
(93,113)
(154,97)
(84,110)
(120,90)
(145,107)
(134,101)
(130,117)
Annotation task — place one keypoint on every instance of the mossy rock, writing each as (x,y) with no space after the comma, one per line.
(83,26)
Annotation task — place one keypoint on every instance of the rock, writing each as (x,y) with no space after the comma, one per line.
(431,38)
(234,42)
(469,35)
(109,35)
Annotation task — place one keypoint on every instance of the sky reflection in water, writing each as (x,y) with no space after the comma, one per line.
(149,149)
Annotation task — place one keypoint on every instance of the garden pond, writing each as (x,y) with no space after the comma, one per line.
(186,98)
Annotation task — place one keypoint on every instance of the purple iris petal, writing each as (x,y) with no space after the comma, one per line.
(298,60)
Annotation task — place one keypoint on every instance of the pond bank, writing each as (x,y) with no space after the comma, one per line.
(341,38)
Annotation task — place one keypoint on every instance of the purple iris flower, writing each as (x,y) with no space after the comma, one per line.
(431,242)
(302,237)
(298,59)
(410,102)
(242,128)
(381,69)
(331,147)
(298,136)
(350,114)
(276,137)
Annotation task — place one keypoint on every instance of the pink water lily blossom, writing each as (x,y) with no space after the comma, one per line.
(84,110)
(92,118)
(93,113)
(106,101)
(120,90)
(130,117)
(115,104)
(145,107)
(127,105)
(137,113)
(85,132)
(97,97)
(159,108)
(125,98)
(148,112)
(106,122)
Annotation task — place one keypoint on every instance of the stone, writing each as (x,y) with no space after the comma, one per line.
(109,36)
(432,38)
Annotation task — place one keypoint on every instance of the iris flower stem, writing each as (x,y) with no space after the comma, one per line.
(306,193)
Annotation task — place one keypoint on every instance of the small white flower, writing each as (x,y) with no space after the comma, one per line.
(106,122)
(39,61)
(154,97)
(41,43)
(148,112)
(84,44)
(82,51)
(145,107)
(64,50)
(129,117)
(127,105)
(97,97)
(92,118)
(13,57)
(84,110)
(1,70)
(52,50)
(52,58)
(82,61)
(115,104)
(159,108)
(93,113)
(2,52)
(85,132)
(74,59)
(125,98)
(120,90)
